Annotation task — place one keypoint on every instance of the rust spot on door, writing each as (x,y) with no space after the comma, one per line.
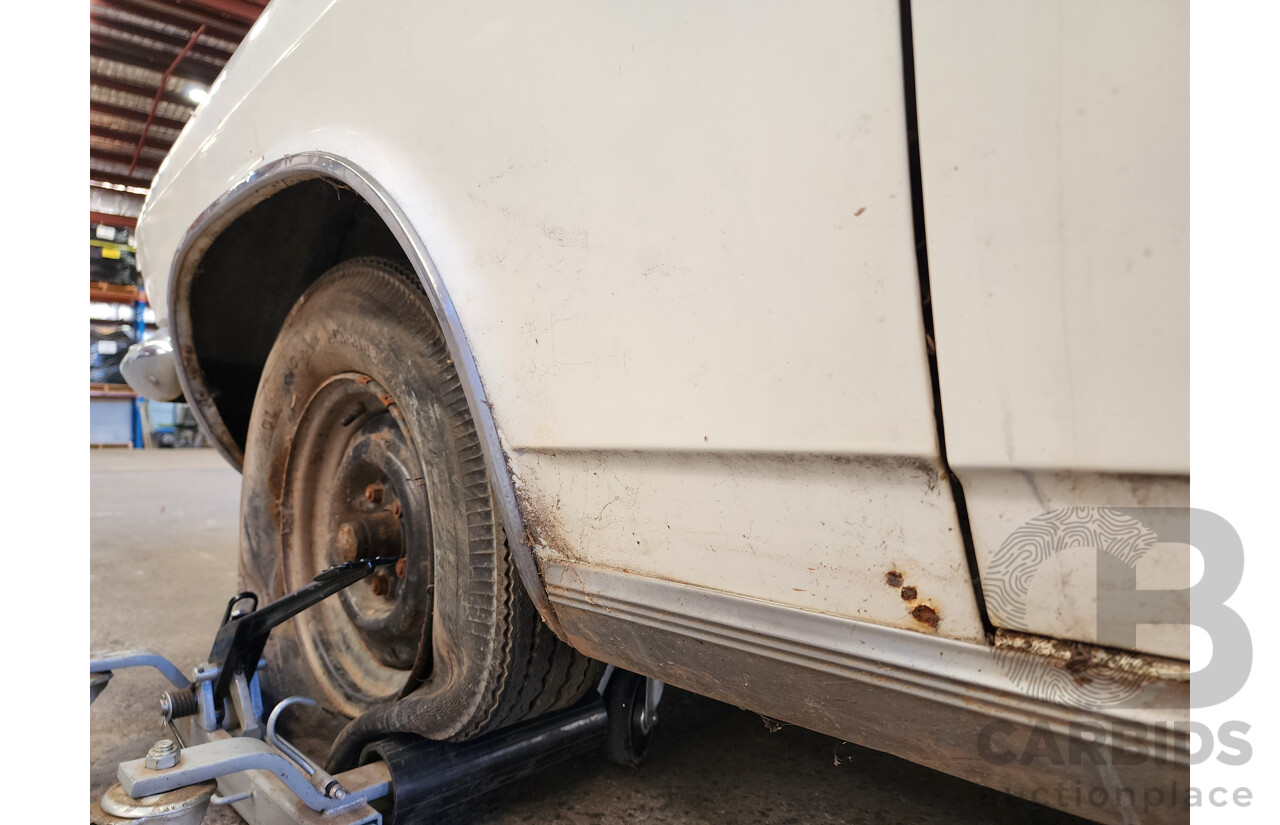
(926,615)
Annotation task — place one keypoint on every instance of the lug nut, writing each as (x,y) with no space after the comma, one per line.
(163,754)
(373,493)
(402,564)
(396,509)
(381,586)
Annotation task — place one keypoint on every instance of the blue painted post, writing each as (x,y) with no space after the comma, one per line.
(139,329)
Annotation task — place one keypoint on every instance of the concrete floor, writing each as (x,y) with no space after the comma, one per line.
(163,565)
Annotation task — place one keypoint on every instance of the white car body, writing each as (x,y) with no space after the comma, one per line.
(676,247)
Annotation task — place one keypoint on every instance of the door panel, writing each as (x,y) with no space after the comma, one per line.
(1054,159)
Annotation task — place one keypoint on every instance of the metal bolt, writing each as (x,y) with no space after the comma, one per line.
(347,544)
(402,565)
(373,493)
(163,754)
(396,509)
(335,791)
(380,585)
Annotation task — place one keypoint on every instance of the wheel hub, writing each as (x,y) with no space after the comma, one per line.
(354,488)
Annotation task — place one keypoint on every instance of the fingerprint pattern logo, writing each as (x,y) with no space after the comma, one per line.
(1083,680)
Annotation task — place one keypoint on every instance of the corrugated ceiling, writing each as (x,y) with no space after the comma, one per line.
(132,44)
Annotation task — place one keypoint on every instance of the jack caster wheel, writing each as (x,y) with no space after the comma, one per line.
(632,703)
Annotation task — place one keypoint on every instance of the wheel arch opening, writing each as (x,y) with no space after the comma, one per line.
(242,267)
(243,275)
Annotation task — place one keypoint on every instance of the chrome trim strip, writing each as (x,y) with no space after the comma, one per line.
(937,702)
(947,672)
(279,174)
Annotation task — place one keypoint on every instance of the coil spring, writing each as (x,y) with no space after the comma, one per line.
(177,705)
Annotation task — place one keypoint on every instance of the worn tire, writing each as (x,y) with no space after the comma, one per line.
(486,659)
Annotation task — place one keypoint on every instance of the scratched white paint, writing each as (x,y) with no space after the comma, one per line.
(677,235)
(814,533)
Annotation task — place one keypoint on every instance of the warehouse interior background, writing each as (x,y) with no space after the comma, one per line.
(151,63)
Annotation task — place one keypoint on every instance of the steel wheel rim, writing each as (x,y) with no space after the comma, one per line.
(353,487)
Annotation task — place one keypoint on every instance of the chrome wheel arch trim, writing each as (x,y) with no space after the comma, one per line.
(273,177)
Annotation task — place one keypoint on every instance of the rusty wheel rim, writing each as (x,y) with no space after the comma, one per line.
(354,488)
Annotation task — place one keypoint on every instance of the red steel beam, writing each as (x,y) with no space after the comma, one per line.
(122,221)
(238,9)
(160,91)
